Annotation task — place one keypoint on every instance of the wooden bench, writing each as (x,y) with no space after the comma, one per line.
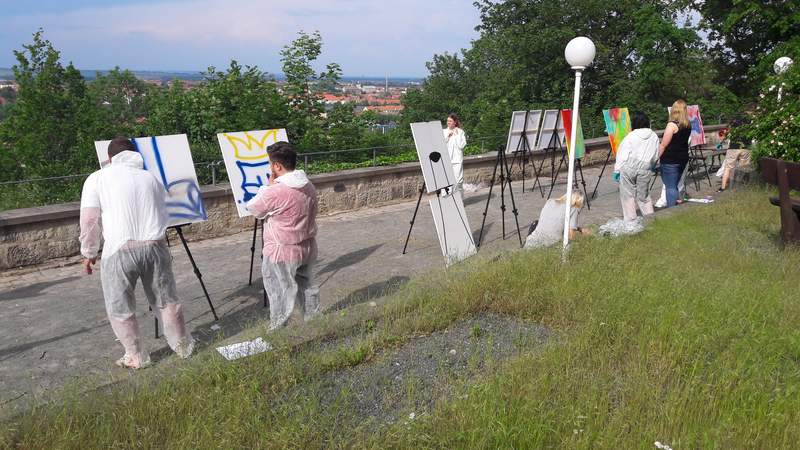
(785,175)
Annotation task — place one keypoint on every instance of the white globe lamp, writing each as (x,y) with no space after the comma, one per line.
(579,54)
(782,64)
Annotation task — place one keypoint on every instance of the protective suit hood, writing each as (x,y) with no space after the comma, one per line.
(294,179)
(129,159)
(642,133)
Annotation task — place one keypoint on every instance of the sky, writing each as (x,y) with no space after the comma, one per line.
(366,37)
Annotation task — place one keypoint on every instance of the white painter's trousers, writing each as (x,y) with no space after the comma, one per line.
(290,283)
(151,262)
(634,189)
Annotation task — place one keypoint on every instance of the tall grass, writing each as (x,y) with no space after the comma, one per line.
(688,334)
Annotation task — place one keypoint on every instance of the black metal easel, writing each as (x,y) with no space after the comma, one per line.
(558,147)
(523,152)
(414,217)
(434,158)
(253,255)
(505,178)
(552,148)
(179,230)
(599,177)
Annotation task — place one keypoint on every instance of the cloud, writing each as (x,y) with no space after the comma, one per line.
(363,36)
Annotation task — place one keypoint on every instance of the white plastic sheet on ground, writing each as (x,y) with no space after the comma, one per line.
(619,227)
(242,349)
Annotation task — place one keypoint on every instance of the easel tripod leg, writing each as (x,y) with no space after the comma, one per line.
(513,203)
(600,177)
(555,175)
(583,183)
(154,318)
(486,208)
(537,172)
(196,271)
(503,200)
(263,288)
(253,252)
(413,218)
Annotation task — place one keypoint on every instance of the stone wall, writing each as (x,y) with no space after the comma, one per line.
(50,233)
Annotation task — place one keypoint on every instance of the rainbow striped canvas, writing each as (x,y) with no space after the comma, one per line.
(566,119)
(618,125)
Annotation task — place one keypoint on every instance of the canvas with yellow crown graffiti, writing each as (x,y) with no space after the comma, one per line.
(247,163)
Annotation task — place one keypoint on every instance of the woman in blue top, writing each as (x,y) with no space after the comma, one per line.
(674,150)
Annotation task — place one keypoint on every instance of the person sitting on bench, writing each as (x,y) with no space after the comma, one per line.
(737,154)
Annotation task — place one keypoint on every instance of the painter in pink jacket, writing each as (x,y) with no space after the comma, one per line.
(289,205)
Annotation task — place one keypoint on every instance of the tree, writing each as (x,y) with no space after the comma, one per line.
(304,100)
(744,35)
(644,61)
(121,97)
(39,138)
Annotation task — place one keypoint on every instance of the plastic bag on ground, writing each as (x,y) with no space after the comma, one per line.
(619,227)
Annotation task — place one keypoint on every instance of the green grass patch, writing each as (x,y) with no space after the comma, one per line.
(688,334)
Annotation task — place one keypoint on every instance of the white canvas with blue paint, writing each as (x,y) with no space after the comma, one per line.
(247,162)
(169,159)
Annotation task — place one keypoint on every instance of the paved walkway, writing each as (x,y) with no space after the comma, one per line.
(54,323)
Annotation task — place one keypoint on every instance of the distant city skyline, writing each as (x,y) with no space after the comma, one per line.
(366,38)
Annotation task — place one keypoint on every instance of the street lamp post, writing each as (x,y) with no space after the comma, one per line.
(579,53)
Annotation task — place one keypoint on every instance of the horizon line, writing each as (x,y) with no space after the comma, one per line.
(276,74)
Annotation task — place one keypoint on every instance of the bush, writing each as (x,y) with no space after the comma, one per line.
(776,124)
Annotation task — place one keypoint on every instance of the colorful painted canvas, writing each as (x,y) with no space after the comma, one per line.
(169,159)
(566,120)
(618,125)
(247,163)
(698,134)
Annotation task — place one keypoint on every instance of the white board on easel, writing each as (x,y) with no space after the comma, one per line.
(551,125)
(518,126)
(452,227)
(437,169)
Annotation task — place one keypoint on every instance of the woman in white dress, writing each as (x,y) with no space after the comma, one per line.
(456,141)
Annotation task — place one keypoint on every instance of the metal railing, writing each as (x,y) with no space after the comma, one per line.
(58,189)
(213,172)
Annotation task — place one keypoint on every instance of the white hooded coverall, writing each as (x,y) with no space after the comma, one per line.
(455,147)
(550,228)
(289,206)
(636,156)
(126,205)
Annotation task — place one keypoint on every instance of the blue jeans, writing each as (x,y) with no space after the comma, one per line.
(670,175)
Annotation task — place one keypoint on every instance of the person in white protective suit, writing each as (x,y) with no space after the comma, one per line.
(456,140)
(126,205)
(636,160)
(289,205)
(549,229)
